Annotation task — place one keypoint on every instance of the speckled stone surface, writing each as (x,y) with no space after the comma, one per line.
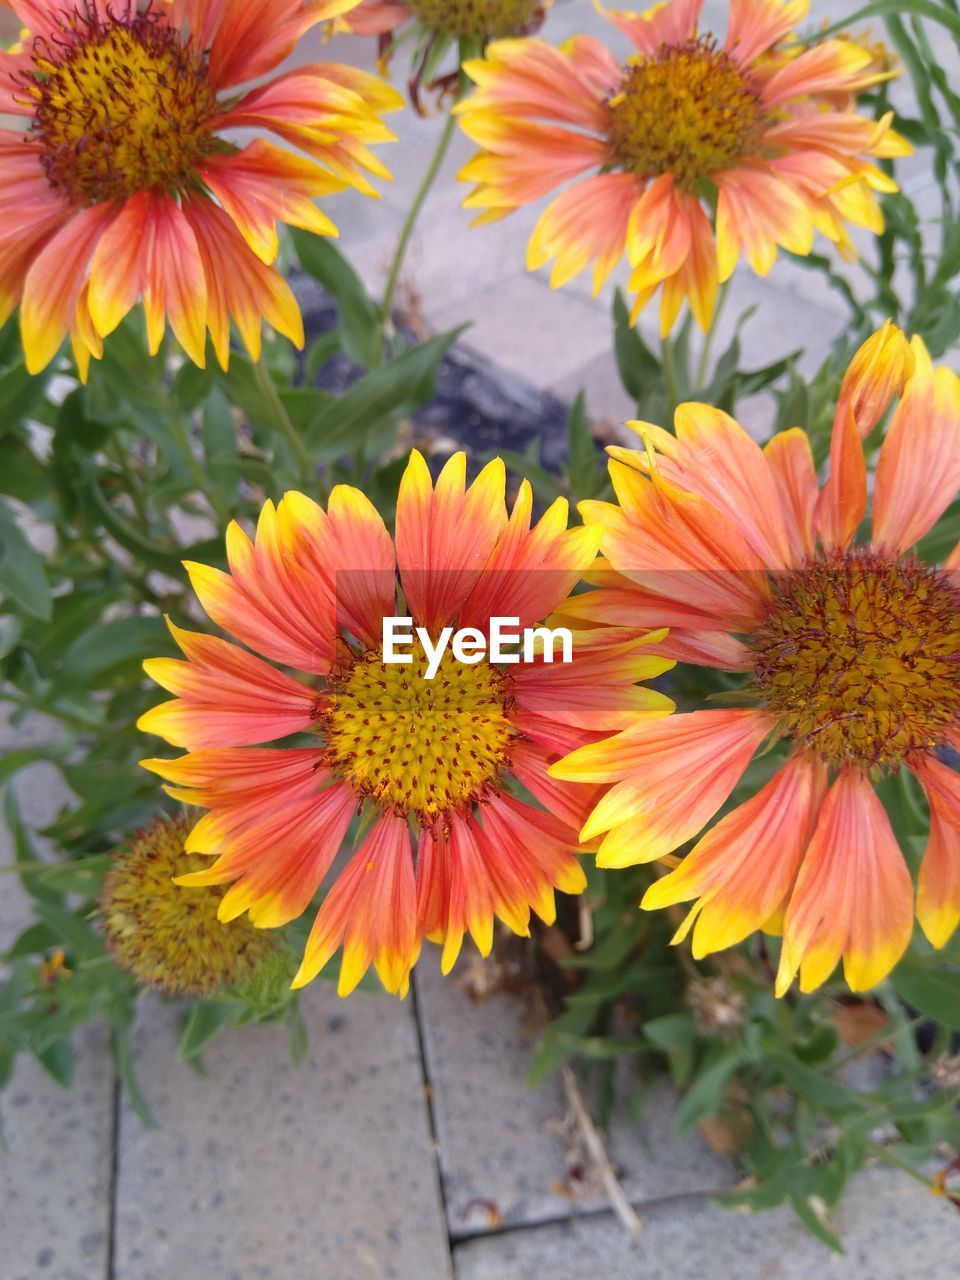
(503,1154)
(892,1230)
(55,1171)
(260,1171)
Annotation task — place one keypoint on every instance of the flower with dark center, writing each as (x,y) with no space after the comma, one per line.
(124,182)
(850,656)
(445,766)
(693,153)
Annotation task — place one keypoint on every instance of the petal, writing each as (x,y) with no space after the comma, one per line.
(254,36)
(239,286)
(878,372)
(597,689)
(446,535)
(673,23)
(226,697)
(938,889)
(262,185)
(585,224)
(671,775)
(757,212)
(757,25)
(842,503)
(790,459)
(528,79)
(711,455)
(267,600)
(278,863)
(54,283)
(677,544)
(530,571)
(853,897)
(347,551)
(918,471)
(741,872)
(372,911)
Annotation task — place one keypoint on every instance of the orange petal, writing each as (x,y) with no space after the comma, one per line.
(938,889)
(267,600)
(918,471)
(853,897)
(670,776)
(226,696)
(371,910)
(55,281)
(741,872)
(445,535)
(348,553)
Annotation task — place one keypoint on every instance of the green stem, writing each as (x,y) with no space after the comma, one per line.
(200,479)
(884,1153)
(281,419)
(669,372)
(708,340)
(406,231)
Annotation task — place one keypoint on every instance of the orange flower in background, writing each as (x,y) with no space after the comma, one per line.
(433,765)
(697,151)
(478,20)
(433,25)
(122,185)
(852,653)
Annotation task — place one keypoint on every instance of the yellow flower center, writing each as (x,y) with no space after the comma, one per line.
(168,936)
(859,657)
(477,19)
(688,110)
(416,745)
(119,107)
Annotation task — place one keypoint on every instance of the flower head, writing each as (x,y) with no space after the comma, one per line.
(451,769)
(171,938)
(697,150)
(851,657)
(433,24)
(122,184)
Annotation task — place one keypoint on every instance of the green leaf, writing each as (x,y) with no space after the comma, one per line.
(707,1093)
(298,1042)
(672,1031)
(122,1050)
(207,1017)
(401,386)
(815,1085)
(808,1209)
(22,577)
(19,392)
(57,1060)
(359,317)
(112,646)
(24,852)
(930,988)
(639,367)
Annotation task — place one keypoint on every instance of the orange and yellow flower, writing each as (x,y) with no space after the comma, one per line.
(122,184)
(476,20)
(433,25)
(432,765)
(696,151)
(851,652)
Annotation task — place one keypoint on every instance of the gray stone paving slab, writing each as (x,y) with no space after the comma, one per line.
(260,1171)
(55,1170)
(502,1151)
(891,1227)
